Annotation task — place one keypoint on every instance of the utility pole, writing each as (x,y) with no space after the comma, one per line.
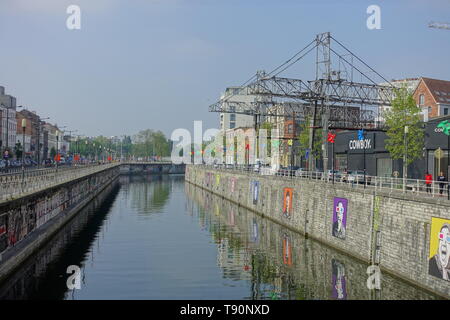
(38,158)
(405,159)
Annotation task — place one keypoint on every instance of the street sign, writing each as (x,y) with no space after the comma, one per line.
(445,126)
(307,154)
(439,154)
(331,137)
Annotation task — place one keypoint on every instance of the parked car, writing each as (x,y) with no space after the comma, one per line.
(317,174)
(301,172)
(357,176)
(337,175)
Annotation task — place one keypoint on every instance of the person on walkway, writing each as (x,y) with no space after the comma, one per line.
(441,179)
(428,181)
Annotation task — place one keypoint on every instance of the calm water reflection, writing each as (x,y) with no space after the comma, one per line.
(155,237)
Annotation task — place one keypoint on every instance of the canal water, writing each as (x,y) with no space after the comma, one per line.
(157,237)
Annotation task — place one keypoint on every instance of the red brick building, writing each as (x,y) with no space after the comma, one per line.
(433,96)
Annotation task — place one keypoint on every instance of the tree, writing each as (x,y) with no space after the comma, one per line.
(268,127)
(18,150)
(52,153)
(404,113)
(303,139)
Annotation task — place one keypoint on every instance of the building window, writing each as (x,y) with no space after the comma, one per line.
(290,129)
(232,117)
(421,100)
(445,111)
(232,125)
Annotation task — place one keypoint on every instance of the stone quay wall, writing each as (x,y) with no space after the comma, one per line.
(390,229)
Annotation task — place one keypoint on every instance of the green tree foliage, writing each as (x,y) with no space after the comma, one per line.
(303,139)
(150,143)
(404,112)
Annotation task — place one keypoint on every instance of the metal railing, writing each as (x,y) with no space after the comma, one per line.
(434,189)
(14,185)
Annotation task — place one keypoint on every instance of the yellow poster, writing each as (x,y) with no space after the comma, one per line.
(439,262)
(217,179)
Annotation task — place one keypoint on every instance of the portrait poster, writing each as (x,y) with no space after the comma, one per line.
(232,184)
(287,202)
(287,250)
(438,259)
(339,227)
(338,280)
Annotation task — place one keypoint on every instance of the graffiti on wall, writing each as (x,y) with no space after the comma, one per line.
(338,280)
(287,202)
(19,221)
(339,227)
(439,254)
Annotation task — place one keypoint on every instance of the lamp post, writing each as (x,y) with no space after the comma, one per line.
(362,139)
(57,149)
(405,159)
(38,158)
(24,125)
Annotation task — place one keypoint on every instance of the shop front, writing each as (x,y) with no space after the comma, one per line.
(352,153)
(437,145)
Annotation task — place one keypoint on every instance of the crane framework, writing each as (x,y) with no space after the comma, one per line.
(333,98)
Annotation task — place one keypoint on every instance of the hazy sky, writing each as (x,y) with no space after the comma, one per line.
(138,64)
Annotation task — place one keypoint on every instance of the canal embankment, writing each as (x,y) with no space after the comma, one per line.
(28,221)
(399,232)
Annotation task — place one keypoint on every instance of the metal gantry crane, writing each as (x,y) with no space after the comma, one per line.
(332,101)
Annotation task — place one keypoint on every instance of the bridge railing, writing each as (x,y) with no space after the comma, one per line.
(15,185)
(432,188)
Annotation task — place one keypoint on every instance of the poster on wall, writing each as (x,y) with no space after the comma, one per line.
(287,202)
(254,231)
(232,184)
(439,262)
(287,250)
(255,191)
(208,178)
(340,206)
(338,280)
(217,180)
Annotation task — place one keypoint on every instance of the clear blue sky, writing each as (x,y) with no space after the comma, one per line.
(138,64)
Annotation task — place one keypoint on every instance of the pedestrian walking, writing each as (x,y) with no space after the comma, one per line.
(441,179)
(428,181)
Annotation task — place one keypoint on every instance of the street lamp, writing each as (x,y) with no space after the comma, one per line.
(38,158)
(405,159)
(57,149)
(24,125)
